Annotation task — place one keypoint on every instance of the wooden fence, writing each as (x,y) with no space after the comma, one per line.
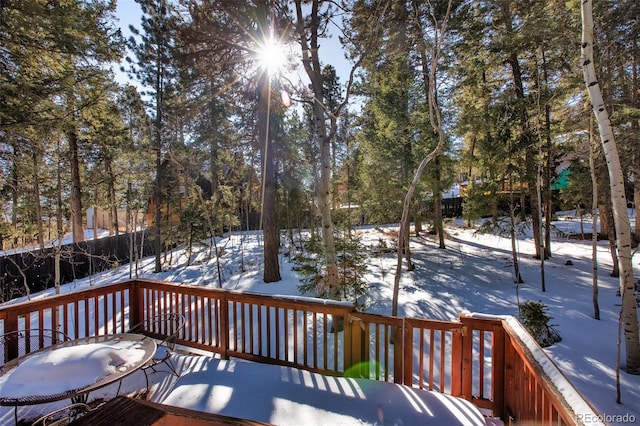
(483,360)
(34,268)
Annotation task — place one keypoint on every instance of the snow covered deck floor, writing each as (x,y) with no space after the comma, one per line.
(289,396)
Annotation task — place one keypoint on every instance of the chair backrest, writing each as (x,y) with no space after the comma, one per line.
(164,327)
(18,343)
(64,415)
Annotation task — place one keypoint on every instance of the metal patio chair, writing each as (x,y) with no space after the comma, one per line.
(166,328)
(18,343)
(15,344)
(63,416)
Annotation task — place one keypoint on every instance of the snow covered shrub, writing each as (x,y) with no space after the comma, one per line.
(536,321)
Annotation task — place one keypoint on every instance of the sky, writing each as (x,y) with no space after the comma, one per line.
(473,274)
(128,13)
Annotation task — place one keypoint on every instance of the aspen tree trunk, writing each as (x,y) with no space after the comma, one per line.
(437,207)
(435,119)
(310,45)
(594,221)
(309,29)
(629,315)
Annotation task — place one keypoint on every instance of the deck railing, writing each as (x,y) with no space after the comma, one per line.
(483,360)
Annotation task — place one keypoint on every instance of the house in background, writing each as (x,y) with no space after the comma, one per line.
(98,218)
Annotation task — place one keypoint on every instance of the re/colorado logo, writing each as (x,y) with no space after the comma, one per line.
(607,418)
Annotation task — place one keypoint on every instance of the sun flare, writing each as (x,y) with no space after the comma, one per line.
(271,56)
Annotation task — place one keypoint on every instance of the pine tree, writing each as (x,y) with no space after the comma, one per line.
(153,48)
(53,53)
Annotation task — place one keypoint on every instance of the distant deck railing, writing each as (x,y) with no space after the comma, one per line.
(483,360)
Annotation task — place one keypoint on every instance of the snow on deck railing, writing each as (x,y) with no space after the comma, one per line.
(543,368)
(489,360)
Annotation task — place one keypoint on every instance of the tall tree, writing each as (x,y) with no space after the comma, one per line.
(628,315)
(439,21)
(309,28)
(310,24)
(387,128)
(268,120)
(53,51)
(233,40)
(152,68)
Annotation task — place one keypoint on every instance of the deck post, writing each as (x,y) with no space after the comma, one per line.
(135,304)
(356,346)
(498,373)
(406,331)
(11,324)
(467,357)
(223,320)
(456,361)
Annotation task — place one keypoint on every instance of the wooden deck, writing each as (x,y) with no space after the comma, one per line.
(127,411)
(482,360)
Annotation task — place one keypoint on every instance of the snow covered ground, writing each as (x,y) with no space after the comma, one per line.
(474,273)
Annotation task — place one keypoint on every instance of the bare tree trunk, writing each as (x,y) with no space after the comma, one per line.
(635,128)
(157,186)
(15,184)
(535,219)
(113,206)
(95,216)
(517,278)
(59,226)
(437,207)
(628,315)
(417,219)
(269,213)
(548,166)
(36,190)
(76,188)
(636,195)
(25,284)
(130,229)
(435,119)
(594,222)
(429,82)
(541,253)
(406,247)
(308,32)
(311,62)
(543,256)
(607,226)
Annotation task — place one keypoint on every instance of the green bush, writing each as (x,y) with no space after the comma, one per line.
(350,255)
(536,321)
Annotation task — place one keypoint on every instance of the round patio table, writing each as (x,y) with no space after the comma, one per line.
(72,369)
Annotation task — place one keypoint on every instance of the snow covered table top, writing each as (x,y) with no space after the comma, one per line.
(73,368)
